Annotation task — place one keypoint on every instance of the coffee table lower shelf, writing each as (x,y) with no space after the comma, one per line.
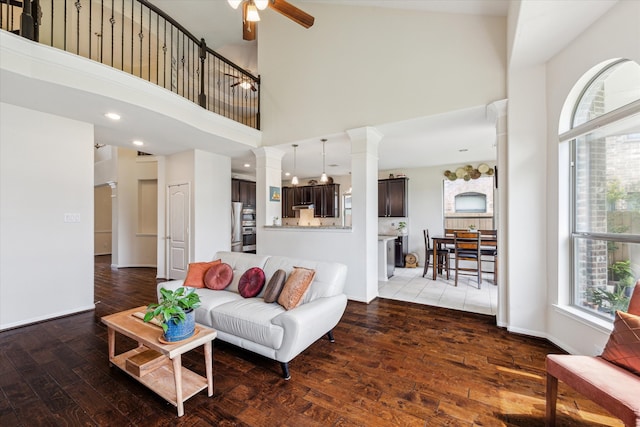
(161,380)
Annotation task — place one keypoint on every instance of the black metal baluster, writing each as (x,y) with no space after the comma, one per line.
(141,36)
(132,20)
(101,38)
(64,34)
(90,19)
(112,21)
(149,50)
(78,6)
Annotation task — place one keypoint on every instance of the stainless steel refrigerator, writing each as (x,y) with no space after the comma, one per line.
(236,227)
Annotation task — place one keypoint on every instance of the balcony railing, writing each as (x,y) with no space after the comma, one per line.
(136,37)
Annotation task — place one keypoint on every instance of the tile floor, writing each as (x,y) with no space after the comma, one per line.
(407,284)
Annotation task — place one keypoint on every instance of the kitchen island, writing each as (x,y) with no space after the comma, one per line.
(386,257)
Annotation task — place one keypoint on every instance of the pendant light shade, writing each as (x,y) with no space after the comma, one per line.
(261,4)
(294,180)
(234,3)
(324,177)
(252,12)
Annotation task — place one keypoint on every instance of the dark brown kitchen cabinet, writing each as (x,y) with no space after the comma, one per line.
(323,197)
(288,202)
(392,197)
(243,191)
(325,200)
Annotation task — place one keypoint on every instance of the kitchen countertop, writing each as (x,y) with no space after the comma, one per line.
(382,238)
(308,227)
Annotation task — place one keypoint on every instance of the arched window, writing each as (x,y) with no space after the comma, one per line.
(605,185)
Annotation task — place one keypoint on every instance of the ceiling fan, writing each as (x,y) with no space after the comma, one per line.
(250,14)
(242,82)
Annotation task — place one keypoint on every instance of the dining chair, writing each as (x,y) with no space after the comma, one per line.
(491,252)
(443,256)
(467,249)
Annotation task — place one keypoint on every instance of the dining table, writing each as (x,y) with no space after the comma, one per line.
(441,243)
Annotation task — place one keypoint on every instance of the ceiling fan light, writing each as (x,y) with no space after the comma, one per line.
(252,13)
(234,3)
(261,4)
(245,85)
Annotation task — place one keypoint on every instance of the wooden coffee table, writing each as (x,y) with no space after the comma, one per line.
(158,365)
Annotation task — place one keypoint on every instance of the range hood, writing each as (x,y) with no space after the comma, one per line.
(302,207)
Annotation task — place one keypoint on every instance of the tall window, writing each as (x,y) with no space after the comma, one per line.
(605,161)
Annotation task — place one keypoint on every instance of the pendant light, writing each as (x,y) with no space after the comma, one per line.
(324,177)
(294,180)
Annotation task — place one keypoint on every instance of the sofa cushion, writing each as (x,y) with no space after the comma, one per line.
(274,287)
(251,282)
(209,300)
(623,347)
(295,287)
(196,273)
(218,276)
(250,319)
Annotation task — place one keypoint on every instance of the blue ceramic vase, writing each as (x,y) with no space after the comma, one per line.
(177,330)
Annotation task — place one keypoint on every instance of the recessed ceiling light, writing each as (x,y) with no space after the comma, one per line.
(138,143)
(463,150)
(247,165)
(333,165)
(287,174)
(112,116)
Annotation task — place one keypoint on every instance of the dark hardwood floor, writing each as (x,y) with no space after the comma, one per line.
(393,364)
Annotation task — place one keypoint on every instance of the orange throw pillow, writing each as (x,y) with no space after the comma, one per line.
(295,287)
(623,347)
(196,272)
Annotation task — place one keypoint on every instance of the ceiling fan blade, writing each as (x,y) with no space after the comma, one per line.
(248,27)
(292,12)
(253,88)
(231,75)
(235,84)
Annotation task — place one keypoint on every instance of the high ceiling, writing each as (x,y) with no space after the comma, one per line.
(412,141)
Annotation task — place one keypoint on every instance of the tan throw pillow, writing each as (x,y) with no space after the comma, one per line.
(623,347)
(274,287)
(196,272)
(295,287)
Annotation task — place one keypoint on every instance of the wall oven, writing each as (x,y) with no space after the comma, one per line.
(248,239)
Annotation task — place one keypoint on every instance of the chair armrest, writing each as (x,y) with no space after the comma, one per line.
(305,324)
(171,285)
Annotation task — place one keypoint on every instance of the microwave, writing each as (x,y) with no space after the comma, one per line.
(248,217)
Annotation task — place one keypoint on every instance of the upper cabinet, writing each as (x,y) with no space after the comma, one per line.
(325,200)
(323,197)
(243,191)
(392,197)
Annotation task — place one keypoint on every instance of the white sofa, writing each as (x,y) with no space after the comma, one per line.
(267,328)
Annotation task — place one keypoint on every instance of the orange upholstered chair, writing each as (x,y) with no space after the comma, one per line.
(614,388)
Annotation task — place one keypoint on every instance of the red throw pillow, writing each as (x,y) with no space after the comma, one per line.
(218,276)
(623,347)
(196,272)
(295,287)
(251,282)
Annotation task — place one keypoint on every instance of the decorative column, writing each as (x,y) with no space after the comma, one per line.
(268,186)
(497,113)
(364,201)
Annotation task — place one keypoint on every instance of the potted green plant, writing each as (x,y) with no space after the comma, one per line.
(402,227)
(175,312)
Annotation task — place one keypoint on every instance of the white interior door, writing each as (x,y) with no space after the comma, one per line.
(178,231)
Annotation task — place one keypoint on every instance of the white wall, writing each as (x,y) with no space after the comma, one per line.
(211,205)
(46,171)
(360,66)
(615,35)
